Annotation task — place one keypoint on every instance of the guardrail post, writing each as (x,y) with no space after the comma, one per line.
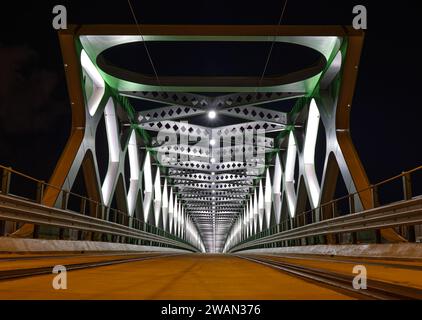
(352,210)
(407,186)
(103,212)
(36,232)
(39,196)
(374,196)
(354,238)
(407,195)
(375,203)
(2,227)
(83,206)
(97,211)
(378,236)
(40,191)
(333,209)
(5,180)
(61,233)
(65,199)
(5,187)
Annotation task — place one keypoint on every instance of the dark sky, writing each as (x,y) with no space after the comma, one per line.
(35,111)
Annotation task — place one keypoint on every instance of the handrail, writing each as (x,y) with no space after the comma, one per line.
(293,222)
(20,210)
(402,213)
(11,170)
(118,215)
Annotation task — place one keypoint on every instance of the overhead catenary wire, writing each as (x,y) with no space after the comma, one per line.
(283,9)
(144,42)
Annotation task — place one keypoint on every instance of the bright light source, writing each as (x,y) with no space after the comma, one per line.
(212,160)
(212,173)
(212,142)
(212,114)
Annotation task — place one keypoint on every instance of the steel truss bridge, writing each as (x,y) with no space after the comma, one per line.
(173,183)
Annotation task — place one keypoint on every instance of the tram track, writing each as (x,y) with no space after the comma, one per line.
(376,290)
(345,260)
(37,271)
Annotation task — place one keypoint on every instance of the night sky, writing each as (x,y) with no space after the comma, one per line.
(35,109)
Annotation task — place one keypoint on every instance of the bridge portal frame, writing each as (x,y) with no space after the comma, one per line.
(333,95)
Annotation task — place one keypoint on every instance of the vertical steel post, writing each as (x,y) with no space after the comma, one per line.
(407,195)
(5,180)
(375,204)
(83,205)
(5,187)
(39,197)
(374,196)
(333,209)
(352,210)
(65,198)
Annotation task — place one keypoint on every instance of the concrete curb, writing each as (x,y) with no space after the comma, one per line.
(12,245)
(387,251)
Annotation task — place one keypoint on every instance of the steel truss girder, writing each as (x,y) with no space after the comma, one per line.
(168,127)
(221,218)
(248,99)
(216,213)
(214,185)
(256,114)
(201,206)
(181,98)
(213,167)
(330,108)
(214,193)
(170,112)
(211,200)
(196,152)
(333,101)
(220,201)
(220,222)
(189,189)
(206,187)
(219,102)
(211,178)
(212,197)
(203,216)
(234,204)
(236,130)
(247,172)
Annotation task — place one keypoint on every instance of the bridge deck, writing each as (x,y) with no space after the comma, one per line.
(177,277)
(190,276)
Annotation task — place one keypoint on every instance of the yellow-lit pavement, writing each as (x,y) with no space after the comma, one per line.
(401,272)
(190,276)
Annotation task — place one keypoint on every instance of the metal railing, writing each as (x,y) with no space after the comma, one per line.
(340,207)
(87,208)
